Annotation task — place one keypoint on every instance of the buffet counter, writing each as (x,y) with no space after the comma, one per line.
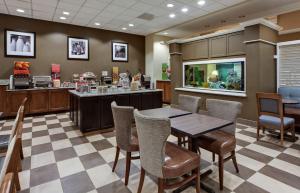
(92,111)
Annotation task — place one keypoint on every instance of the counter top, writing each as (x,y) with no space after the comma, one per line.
(33,89)
(117,91)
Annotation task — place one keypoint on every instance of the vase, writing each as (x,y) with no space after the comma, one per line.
(13,44)
(20,44)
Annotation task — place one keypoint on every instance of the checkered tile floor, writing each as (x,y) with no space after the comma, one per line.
(59,158)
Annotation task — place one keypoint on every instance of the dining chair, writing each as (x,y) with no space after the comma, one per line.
(123,116)
(271,115)
(5,139)
(7,185)
(11,162)
(163,159)
(190,104)
(221,142)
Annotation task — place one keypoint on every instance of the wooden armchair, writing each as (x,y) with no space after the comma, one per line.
(271,115)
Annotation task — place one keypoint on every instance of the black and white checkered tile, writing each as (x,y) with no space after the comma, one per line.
(59,158)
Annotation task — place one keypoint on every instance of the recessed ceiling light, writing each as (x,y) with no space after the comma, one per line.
(124,28)
(97,23)
(172,15)
(62,18)
(184,10)
(170,5)
(166,33)
(131,25)
(20,10)
(201,2)
(66,13)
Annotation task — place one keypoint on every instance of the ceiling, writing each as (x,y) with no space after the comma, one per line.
(116,15)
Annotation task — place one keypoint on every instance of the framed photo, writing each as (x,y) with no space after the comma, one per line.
(19,44)
(78,48)
(119,52)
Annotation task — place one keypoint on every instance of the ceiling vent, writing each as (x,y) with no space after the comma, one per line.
(146,16)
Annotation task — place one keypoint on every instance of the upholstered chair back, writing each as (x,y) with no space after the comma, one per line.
(123,117)
(223,109)
(189,103)
(153,134)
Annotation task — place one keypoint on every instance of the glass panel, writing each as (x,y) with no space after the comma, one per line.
(221,76)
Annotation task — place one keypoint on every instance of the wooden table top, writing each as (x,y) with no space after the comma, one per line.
(194,125)
(166,112)
(290,101)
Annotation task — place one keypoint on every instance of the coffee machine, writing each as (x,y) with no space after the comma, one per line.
(105,79)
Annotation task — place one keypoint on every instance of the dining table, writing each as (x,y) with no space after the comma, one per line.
(192,126)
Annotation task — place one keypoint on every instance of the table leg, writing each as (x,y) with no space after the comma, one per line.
(193,147)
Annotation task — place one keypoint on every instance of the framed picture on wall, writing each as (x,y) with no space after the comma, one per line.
(19,44)
(78,48)
(119,52)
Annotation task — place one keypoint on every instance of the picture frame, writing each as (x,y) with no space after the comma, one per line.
(119,51)
(78,48)
(19,44)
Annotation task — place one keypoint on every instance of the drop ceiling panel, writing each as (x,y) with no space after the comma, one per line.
(115,14)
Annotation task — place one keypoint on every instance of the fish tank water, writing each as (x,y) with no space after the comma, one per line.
(224,75)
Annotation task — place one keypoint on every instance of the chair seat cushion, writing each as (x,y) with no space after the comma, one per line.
(134,146)
(4,142)
(275,121)
(219,142)
(179,161)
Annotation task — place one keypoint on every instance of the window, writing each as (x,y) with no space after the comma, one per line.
(222,75)
(288,63)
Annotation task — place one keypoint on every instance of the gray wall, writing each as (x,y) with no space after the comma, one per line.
(51,47)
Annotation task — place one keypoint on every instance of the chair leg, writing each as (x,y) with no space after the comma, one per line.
(293,132)
(142,177)
(235,162)
(257,134)
(160,185)
(127,172)
(17,181)
(116,158)
(213,157)
(197,180)
(281,136)
(221,171)
(179,141)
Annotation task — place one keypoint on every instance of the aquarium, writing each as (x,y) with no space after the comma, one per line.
(221,75)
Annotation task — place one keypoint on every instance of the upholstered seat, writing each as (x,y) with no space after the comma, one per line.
(271,120)
(219,142)
(179,161)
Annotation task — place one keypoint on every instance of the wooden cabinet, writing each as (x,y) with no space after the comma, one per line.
(123,100)
(106,113)
(195,50)
(38,101)
(59,100)
(2,98)
(136,101)
(166,87)
(13,102)
(218,46)
(235,44)
(88,113)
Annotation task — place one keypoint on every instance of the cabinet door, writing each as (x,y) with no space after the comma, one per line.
(135,101)
(14,100)
(2,98)
(38,101)
(167,93)
(123,100)
(236,44)
(161,85)
(218,46)
(195,50)
(106,113)
(88,114)
(157,100)
(59,100)
(147,100)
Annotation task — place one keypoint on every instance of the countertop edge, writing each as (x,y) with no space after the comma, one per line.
(82,95)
